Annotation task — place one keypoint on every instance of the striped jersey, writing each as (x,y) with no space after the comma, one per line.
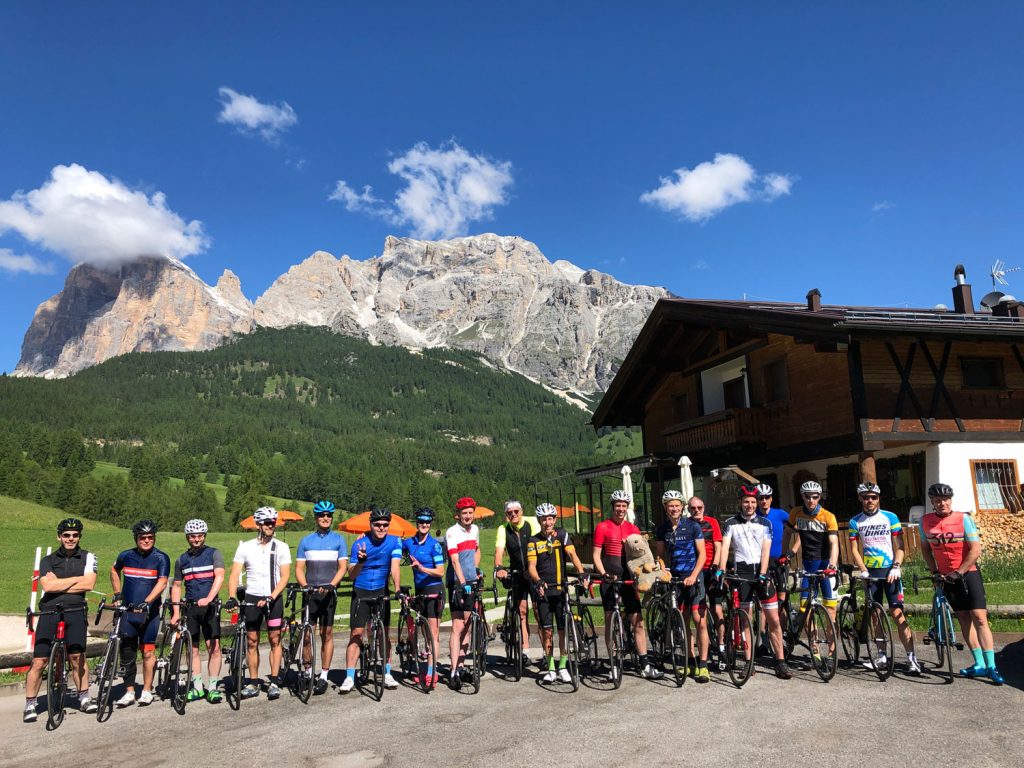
(321,553)
(462,543)
(140,572)
(875,533)
(197,568)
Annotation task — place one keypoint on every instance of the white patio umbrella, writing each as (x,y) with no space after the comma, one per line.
(627,486)
(685,479)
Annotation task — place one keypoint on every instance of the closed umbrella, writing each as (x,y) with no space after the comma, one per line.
(627,486)
(685,479)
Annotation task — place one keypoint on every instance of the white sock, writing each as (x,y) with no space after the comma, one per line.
(323,674)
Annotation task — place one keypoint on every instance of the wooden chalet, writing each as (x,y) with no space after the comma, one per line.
(792,392)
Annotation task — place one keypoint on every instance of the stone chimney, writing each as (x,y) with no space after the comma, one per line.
(963,302)
(814,300)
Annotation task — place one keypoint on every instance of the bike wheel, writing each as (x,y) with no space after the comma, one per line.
(820,633)
(376,653)
(945,643)
(164,650)
(305,663)
(654,619)
(788,639)
(236,665)
(677,645)
(108,673)
(849,632)
(179,676)
(424,654)
(478,647)
(880,636)
(572,651)
(739,646)
(56,685)
(588,636)
(618,649)
(514,640)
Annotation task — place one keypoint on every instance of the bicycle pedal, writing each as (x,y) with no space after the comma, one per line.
(959,646)
(926,640)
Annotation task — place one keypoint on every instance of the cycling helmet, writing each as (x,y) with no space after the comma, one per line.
(668,496)
(621,495)
(69,524)
(424,515)
(143,527)
(196,526)
(940,489)
(265,515)
(466,502)
(546,510)
(513,503)
(747,491)
(764,491)
(323,508)
(380,513)
(810,487)
(868,488)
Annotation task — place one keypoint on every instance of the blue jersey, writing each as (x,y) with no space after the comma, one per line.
(778,519)
(430,554)
(140,573)
(321,553)
(681,544)
(376,568)
(197,569)
(875,533)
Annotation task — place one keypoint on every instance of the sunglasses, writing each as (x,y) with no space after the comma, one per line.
(272,525)
(325,514)
(871,496)
(513,512)
(147,537)
(695,509)
(195,535)
(70,535)
(812,495)
(423,522)
(381,525)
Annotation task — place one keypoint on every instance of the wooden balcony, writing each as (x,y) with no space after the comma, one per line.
(734,426)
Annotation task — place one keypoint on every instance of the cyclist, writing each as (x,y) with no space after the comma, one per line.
(426,555)
(201,570)
(817,536)
(66,576)
(749,537)
(267,563)
(514,536)
(680,541)
(545,555)
(462,542)
(609,562)
(880,534)
(374,557)
(778,518)
(951,549)
(139,576)
(321,561)
(714,593)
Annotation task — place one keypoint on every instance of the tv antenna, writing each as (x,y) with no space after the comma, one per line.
(1000,271)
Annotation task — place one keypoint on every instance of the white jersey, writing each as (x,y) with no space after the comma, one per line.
(748,536)
(256,559)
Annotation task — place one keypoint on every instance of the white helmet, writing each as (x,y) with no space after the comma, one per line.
(546,510)
(668,496)
(265,515)
(810,487)
(868,488)
(196,526)
(763,490)
(621,495)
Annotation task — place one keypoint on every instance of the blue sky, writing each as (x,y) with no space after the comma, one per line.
(715,149)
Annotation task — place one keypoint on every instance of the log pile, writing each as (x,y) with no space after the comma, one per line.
(1001,533)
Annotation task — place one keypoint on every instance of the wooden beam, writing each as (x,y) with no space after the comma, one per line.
(939,373)
(721,357)
(906,390)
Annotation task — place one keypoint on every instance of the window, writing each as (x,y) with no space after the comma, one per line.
(776,381)
(982,372)
(996,486)
(681,407)
(735,392)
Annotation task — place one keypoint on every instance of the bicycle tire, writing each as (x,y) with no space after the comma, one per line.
(305,671)
(514,640)
(655,621)
(678,642)
(572,651)
(588,634)
(788,639)
(880,630)
(375,661)
(479,650)
(237,664)
(946,642)
(179,675)
(164,651)
(424,654)
(56,685)
(739,646)
(617,651)
(405,645)
(849,632)
(108,673)
(821,636)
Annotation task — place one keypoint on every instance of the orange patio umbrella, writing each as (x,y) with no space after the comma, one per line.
(283,516)
(482,512)
(361,524)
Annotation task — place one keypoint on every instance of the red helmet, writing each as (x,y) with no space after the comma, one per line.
(466,502)
(746,490)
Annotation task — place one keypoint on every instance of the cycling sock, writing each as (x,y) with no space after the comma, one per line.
(387,669)
(979,657)
(990,659)
(562,661)
(702,664)
(197,682)
(351,672)
(551,663)
(323,674)
(30,701)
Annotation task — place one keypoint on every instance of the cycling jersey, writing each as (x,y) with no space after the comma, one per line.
(949,538)
(778,518)
(548,553)
(747,537)
(140,571)
(262,563)
(376,568)
(681,544)
(816,532)
(64,565)
(197,569)
(609,535)
(429,554)
(321,553)
(712,533)
(875,533)
(462,543)
(516,543)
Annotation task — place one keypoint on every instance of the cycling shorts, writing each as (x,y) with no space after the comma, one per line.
(75,623)
(430,601)
(322,607)
(893,592)
(520,588)
(630,600)
(714,592)
(254,616)
(144,626)
(828,595)
(551,606)
(362,599)
(203,620)
(460,600)
(778,574)
(693,596)
(968,594)
(764,590)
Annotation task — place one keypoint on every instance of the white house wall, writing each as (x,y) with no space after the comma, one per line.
(711,382)
(950,463)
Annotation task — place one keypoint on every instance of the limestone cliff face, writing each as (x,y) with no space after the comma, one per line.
(148,305)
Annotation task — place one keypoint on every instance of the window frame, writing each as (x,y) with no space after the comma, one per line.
(1000,378)
(770,396)
(1006,509)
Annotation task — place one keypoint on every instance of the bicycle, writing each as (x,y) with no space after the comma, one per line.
(167,636)
(667,633)
(511,630)
(814,624)
(586,632)
(739,633)
(574,643)
(109,667)
(373,655)
(58,667)
(868,625)
(941,629)
(235,654)
(298,644)
(416,649)
(621,643)
(177,673)
(478,637)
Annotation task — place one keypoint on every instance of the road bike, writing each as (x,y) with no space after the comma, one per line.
(811,627)
(417,652)
(739,633)
(298,642)
(510,630)
(621,642)
(941,630)
(235,653)
(866,625)
(374,653)
(668,637)
(581,617)
(110,668)
(58,668)
(177,671)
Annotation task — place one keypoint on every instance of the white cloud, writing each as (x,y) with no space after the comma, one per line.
(701,264)
(250,115)
(12,262)
(84,216)
(882,205)
(445,189)
(711,187)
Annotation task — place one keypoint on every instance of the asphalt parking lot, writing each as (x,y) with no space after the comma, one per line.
(853,720)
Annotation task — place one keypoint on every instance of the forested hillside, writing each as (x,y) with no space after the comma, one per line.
(299,413)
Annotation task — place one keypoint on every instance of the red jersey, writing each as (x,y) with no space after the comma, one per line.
(949,539)
(608,535)
(712,533)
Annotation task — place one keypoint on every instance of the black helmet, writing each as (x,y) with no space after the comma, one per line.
(940,489)
(69,524)
(424,515)
(378,513)
(143,527)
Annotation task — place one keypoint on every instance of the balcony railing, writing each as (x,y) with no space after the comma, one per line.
(735,426)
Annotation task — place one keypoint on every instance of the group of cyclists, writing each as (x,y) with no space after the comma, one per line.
(755,546)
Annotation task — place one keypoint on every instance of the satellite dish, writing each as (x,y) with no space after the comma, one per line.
(991,299)
(940,308)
